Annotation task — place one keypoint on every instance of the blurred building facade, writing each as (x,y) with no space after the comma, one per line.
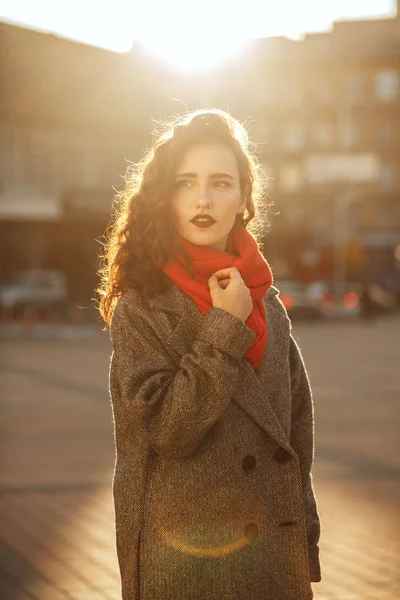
(72,116)
(331,96)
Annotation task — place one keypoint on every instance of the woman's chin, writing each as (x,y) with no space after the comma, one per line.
(204,238)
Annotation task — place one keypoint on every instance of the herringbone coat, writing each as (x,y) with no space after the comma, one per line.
(212,486)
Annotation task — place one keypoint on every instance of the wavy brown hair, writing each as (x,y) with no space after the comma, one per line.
(144,233)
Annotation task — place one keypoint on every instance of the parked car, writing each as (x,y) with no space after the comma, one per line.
(375,300)
(35,288)
(316,300)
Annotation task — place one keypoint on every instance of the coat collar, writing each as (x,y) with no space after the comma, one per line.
(256,401)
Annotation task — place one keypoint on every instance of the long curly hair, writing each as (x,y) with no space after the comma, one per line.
(144,233)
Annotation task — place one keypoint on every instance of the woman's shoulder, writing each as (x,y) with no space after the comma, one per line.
(272,299)
(130,305)
(132,297)
(131,316)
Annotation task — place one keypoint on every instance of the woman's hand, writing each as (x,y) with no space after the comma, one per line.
(229,292)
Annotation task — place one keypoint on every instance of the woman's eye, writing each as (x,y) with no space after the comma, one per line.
(182,183)
(222,183)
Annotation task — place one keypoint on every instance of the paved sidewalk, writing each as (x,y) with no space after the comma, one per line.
(57,454)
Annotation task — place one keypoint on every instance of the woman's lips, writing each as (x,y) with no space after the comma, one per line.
(202,224)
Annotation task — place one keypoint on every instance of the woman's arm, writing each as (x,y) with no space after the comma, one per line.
(302,442)
(174,406)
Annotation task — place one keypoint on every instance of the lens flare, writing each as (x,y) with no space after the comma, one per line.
(215,552)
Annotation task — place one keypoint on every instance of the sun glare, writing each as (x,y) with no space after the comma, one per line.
(187,36)
(194,54)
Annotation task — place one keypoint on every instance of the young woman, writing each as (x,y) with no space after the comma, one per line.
(212,406)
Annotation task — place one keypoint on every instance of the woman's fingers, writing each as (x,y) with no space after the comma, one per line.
(223,283)
(230,272)
(214,282)
(225,276)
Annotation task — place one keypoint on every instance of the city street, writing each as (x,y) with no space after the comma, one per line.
(57,455)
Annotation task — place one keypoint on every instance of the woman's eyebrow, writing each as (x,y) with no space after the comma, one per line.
(213,175)
(218,175)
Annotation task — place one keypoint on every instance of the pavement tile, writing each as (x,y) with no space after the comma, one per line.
(57,538)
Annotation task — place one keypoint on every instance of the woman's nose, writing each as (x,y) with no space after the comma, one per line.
(204,196)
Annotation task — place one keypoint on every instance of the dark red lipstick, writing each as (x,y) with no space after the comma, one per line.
(203,220)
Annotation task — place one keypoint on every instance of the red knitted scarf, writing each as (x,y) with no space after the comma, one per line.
(242,252)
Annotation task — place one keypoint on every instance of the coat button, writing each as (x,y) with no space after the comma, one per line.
(249,462)
(288,524)
(251,531)
(281,455)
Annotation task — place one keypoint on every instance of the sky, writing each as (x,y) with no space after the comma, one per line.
(208,30)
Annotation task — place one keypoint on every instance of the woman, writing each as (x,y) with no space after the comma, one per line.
(212,407)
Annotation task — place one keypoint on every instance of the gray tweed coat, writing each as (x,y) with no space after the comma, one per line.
(212,487)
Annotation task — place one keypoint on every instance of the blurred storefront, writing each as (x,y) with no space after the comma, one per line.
(72,117)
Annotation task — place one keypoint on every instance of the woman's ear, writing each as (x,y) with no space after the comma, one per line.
(240,211)
(246,193)
(243,203)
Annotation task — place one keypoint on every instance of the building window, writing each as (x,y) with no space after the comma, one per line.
(267,168)
(349,133)
(291,178)
(388,177)
(387,85)
(387,132)
(293,137)
(322,90)
(9,169)
(290,93)
(322,134)
(354,88)
(260,132)
(266,92)
(266,174)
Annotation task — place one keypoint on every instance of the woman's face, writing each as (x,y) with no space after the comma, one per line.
(207,183)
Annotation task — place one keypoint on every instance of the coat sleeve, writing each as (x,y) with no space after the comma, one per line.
(173,406)
(302,441)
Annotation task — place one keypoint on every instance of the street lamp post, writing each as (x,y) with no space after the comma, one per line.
(343,201)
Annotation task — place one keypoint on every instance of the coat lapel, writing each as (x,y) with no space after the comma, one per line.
(253,394)
(256,395)
(179,313)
